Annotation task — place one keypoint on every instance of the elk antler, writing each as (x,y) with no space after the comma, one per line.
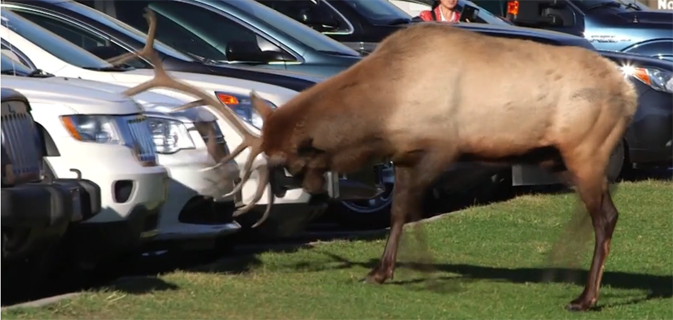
(250,139)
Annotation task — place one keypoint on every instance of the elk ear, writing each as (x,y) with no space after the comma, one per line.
(260,105)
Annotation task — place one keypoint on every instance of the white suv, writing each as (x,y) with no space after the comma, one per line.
(105,138)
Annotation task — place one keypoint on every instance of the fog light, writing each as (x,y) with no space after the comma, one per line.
(122,190)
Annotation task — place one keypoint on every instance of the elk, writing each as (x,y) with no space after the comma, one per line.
(424,103)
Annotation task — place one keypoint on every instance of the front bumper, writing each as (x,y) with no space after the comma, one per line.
(34,215)
(131,197)
(649,136)
(124,183)
(43,211)
(189,183)
(96,242)
(189,177)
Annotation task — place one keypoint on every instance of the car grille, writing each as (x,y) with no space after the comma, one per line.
(21,144)
(138,135)
(206,129)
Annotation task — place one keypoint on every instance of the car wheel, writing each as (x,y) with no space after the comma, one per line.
(369,214)
(616,164)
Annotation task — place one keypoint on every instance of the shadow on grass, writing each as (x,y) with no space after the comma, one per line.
(657,286)
(140,285)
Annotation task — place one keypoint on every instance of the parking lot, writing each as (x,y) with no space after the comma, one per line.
(325,159)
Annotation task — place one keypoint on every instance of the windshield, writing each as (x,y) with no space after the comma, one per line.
(52,43)
(122,27)
(378,12)
(9,66)
(294,29)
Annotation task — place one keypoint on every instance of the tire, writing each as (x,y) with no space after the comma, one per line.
(28,278)
(616,163)
(367,214)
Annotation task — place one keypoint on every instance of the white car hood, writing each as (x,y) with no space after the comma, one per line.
(81,100)
(149,100)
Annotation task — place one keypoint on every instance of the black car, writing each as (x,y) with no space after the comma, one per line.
(648,139)
(38,209)
(89,28)
(240,34)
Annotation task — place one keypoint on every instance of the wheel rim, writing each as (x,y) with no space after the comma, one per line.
(386,180)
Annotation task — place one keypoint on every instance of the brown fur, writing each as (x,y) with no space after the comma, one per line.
(424,102)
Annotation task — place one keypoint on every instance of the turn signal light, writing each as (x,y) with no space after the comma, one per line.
(513,7)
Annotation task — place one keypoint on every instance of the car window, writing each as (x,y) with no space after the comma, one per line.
(52,43)
(170,30)
(288,26)
(483,15)
(320,16)
(97,45)
(378,12)
(13,63)
(16,54)
(121,27)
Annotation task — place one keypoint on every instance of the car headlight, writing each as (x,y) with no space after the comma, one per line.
(170,136)
(92,128)
(242,106)
(658,79)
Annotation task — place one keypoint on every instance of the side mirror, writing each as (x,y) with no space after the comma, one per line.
(320,22)
(245,51)
(536,12)
(469,14)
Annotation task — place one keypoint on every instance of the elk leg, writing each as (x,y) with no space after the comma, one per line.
(592,187)
(406,198)
(411,183)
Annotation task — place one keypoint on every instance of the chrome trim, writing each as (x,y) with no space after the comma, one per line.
(204,128)
(351,28)
(135,130)
(24,155)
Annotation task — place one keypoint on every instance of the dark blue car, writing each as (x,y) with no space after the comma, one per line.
(612,25)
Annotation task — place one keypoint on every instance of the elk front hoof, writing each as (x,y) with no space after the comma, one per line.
(580,305)
(376,277)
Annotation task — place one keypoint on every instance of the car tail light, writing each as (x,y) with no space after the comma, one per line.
(512,8)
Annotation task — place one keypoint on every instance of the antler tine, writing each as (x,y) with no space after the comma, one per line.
(247,169)
(162,79)
(262,183)
(149,45)
(269,203)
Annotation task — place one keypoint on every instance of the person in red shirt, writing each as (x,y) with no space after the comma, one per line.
(442,10)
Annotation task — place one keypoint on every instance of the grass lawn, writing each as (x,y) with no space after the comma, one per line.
(487,265)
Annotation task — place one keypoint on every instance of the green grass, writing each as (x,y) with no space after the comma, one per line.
(487,262)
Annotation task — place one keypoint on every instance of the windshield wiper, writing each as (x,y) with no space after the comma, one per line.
(39,73)
(122,67)
(399,21)
(605,4)
(204,59)
(337,53)
(632,6)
